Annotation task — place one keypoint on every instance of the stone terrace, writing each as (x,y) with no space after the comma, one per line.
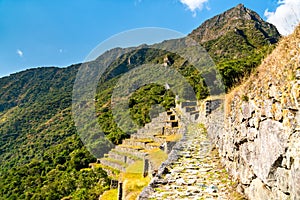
(152,136)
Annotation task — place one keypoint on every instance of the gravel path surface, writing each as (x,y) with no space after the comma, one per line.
(197,172)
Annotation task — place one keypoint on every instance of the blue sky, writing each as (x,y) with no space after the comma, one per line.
(36,33)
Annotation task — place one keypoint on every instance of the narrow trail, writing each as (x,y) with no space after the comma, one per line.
(197,173)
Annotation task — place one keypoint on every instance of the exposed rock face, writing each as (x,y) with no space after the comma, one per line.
(259,136)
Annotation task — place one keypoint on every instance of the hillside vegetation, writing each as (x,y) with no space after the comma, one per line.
(237,40)
(42,157)
(276,71)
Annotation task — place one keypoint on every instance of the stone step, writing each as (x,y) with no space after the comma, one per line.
(134,150)
(152,137)
(159,123)
(157,119)
(170,121)
(115,164)
(123,157)
(133,153)
(192,174)
(154,124)
(163,114)
(153,130)
(130,155)
(188,103)
(190,109)
(153,145)
(136,142)
(146,135)
(194,112)
(171,130)
(149,135)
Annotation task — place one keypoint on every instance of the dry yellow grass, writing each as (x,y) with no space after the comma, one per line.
(173,137)
(277,69)
(157,157)
(133,180)
(110,195)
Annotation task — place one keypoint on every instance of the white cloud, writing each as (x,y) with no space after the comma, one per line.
(286,17)
(20,53)
(194,5)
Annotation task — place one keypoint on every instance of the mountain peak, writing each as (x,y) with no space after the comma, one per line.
(238,17)
(242,12)
(240,6)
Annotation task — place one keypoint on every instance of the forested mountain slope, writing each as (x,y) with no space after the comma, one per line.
(42,157)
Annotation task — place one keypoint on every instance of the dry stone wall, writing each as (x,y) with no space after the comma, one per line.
(257,132)
(257,129)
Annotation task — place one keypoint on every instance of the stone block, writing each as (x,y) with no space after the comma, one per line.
(258,190)
(190,109)
(247,110)
(267,109)
(256,120)
(251,147)
(293,162)
(188,103)
(240,117)
(246,174)
(290,120)
(270,145)
(116,156)
(252,133)
(277,111)
(282,177)
(274,92)
(279,195)
(251,123)
(295,183)
(244,152)
(295,93)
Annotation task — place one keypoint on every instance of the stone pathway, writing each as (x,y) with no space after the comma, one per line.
(196,173)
